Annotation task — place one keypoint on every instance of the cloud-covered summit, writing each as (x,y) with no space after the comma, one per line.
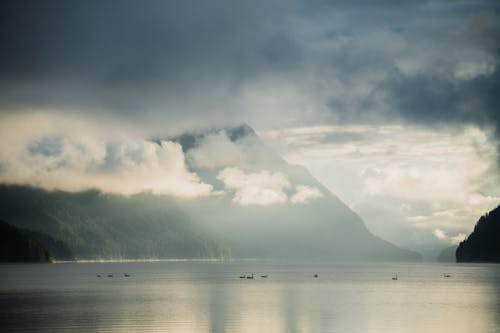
(80,156)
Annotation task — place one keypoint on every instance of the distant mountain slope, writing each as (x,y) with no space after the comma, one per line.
(16,245)
(448,254)
(483,244)
(97,225)
(323,228)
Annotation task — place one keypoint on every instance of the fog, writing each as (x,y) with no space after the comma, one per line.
(393,107)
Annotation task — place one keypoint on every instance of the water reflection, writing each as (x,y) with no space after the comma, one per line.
(194,297)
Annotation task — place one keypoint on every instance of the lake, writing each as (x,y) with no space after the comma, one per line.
(210,296)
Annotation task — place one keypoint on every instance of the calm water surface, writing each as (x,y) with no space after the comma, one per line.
(201,296)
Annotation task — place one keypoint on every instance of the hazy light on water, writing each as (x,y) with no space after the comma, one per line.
(210,297)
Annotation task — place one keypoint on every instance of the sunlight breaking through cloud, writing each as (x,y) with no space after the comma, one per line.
(406,181)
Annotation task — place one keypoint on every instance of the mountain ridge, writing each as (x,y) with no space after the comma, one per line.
(318,225)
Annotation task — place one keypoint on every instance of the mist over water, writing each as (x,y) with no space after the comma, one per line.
(208,296)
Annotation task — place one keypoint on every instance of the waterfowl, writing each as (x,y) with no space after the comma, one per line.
(250,277)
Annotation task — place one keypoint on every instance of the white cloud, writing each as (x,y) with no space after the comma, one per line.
(458,238)
(471,70)
(216,151)
(304,194)
(440,234)
(443,236)
(72,155)
(262,188)
(416,183)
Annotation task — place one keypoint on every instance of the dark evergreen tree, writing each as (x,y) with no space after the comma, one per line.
(18,246)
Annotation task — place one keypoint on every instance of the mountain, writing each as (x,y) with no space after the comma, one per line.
(16,245)
(320,226)
(260,207)
(483,244)
(447,254)
(102,226)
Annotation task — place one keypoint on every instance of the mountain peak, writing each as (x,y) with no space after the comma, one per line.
(192,139)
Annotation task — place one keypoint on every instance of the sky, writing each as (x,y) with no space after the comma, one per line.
(393,105)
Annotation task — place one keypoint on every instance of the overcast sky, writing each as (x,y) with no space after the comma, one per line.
(393,105)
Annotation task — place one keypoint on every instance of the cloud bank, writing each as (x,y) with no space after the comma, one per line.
(69,153)
(64,154)
(264,188)
(270,63)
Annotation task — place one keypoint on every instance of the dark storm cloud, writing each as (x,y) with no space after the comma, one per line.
(128,54)
(425,62)
(431,100)
(434,63)
(462,84)
(119,41)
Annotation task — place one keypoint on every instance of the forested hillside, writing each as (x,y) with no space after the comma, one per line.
(96,225)
(18,246)
(483,244)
